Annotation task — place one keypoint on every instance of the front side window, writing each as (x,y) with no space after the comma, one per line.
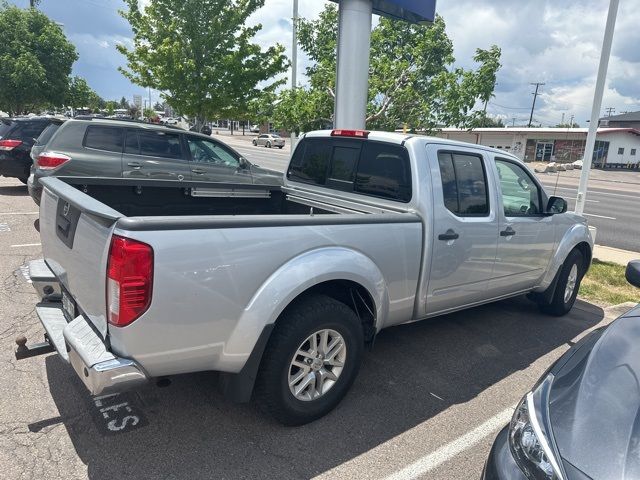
(104,138)
(464,184)
(520,194)
(159,144)
(206,151)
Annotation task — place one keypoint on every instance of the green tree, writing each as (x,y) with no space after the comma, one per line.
(110,106)
(200,54)
(124,103)
(35,60)
(412,79)
(158,106)
(483,121)
(80,95)
(568,125)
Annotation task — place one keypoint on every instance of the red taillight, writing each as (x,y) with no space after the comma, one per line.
(51,160)
(9,144)
(350,133)
(129,280)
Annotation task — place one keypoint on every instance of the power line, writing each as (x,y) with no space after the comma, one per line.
(610,110)
(508,108)
(535,96)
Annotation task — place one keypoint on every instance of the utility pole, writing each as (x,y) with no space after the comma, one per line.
(562,121)
(294,60)
(610,110)
(571,121)
(535,95)
(597,103)
(513,121)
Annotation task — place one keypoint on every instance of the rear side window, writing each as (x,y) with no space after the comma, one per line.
(384,171)
(104,138)
(464,184)
(369,168)
(160,144)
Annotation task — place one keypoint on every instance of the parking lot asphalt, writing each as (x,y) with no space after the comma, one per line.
(428,402)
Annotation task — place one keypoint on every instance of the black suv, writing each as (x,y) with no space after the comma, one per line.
(17,136)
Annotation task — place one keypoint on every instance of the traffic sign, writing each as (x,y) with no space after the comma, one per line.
(415,11)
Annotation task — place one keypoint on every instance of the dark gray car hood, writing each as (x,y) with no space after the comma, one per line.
(595,401)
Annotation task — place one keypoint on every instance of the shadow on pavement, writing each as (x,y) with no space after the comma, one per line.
(14,191)
(193,432)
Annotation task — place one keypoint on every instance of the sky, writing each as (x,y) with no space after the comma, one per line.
(555,42)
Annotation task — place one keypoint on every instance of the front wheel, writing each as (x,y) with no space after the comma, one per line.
(311,360)
(255,144)
(564,297)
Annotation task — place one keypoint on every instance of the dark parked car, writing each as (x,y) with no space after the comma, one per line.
(108,148)
(17,136)
(581,421)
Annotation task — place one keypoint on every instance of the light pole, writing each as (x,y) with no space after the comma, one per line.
(294,60)
(352,75)
(597,104)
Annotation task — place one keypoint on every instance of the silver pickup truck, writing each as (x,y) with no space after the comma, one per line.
(282,290)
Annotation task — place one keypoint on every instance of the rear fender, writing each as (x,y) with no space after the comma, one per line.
(292,279)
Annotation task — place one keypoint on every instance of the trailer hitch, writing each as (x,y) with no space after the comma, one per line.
(25,351)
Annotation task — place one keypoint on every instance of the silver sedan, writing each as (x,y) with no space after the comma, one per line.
(269,140)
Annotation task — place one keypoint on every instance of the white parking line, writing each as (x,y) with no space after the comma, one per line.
(598,216)
(26,245)
(445,453)
(594,192)
(19,213)
(4,227)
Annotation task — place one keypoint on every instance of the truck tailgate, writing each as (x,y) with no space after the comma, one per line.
(76,232)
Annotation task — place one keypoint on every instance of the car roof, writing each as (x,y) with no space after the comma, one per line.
(119,122)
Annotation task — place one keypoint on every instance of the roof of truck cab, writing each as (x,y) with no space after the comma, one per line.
(400,138)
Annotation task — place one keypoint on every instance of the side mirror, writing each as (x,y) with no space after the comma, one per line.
(244,164)
(632,274)
(556,205)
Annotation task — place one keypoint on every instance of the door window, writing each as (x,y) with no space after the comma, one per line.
(104,138)
(520,194)
(464,184)
(206,151)
(160,144)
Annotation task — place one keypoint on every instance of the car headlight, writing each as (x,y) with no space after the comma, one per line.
(530,439)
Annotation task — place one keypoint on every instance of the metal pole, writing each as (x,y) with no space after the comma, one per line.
(352,75)
(597,104)
(294,60)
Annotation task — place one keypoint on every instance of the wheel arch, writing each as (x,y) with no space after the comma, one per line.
(323,271)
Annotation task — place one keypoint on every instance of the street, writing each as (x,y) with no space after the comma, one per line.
(427,403)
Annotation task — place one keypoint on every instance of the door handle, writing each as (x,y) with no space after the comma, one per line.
(135,165)
(198,171)
(448,235)
(507,232)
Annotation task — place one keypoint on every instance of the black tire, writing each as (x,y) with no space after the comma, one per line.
(297,323)
(280,147)
(255,144)
(23,180)
(268,145)
(559,306)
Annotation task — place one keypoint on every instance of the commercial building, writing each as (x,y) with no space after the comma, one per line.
(614,146)
(624,120)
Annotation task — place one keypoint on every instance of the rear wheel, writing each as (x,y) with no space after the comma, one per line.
(280,147)
(23,180)
(564,297)
(255,143)
(268,145)
(311,360)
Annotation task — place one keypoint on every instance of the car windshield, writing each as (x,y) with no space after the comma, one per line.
(47,133)
(5,126)
(275,135)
